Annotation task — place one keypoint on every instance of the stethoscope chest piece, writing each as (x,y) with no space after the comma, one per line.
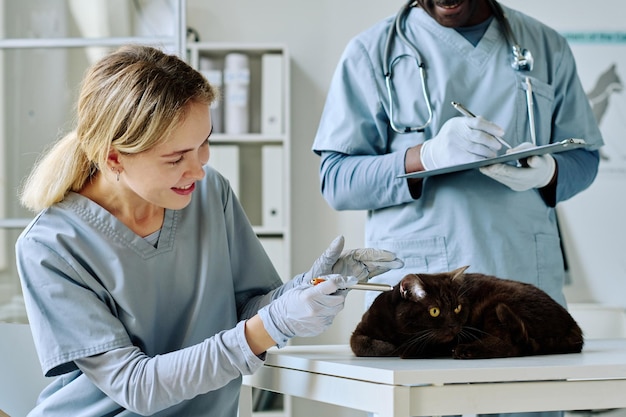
(522,59)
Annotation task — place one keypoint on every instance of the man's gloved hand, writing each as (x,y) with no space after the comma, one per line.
(461,140)
(537,174)
(307,310)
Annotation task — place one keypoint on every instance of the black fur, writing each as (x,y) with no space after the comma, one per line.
(465,316)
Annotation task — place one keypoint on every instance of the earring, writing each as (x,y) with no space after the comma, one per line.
(117,174)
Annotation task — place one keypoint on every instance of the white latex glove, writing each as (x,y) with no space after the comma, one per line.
(307,310)
(366,263)
(461,140)
(324,264)
(537,174)
(362,263)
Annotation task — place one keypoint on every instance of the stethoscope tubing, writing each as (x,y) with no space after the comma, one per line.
(522,60)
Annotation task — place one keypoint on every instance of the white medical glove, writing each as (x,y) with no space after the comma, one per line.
(537,174)
(322,266)
(461,140)
(362,263)
(366,263)
(307,310)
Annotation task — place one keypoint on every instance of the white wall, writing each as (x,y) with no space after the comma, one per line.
(316,33)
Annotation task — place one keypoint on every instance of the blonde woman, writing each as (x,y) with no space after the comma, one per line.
(147,291)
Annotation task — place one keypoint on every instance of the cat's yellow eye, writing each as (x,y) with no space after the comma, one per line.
(434,312)
(457,310)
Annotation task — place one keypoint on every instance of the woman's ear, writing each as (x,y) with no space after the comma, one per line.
(114,162)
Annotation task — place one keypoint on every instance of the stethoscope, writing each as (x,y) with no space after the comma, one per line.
(522,59)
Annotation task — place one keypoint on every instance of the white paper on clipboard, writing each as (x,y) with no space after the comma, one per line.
(564,145)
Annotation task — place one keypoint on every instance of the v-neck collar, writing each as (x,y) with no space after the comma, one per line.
(111,226)
(476,55)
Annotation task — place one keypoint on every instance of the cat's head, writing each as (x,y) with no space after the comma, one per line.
(432,302)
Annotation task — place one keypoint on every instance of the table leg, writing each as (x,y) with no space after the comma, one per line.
(245,401)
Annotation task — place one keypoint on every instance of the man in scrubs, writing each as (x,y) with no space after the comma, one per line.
(499,220)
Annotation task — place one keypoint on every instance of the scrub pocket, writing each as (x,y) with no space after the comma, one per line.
(419,255)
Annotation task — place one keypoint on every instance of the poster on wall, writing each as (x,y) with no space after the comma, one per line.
(601,61)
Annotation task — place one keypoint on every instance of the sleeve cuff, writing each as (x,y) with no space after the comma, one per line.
(252,361)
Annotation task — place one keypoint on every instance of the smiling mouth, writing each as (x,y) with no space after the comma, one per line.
(448,4)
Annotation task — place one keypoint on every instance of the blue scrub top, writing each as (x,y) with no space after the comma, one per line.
(92,285)
(464,218)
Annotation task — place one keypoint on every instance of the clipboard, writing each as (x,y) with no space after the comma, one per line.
(564,145)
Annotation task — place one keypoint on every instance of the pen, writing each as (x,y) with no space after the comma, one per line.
(531,110)
(465,112)
(360,286)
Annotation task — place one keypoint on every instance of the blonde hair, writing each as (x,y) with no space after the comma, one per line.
(131,100)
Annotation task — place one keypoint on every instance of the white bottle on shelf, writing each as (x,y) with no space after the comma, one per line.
(211,70)
(236,93)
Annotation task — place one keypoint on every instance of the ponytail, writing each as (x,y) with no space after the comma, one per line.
(63,168)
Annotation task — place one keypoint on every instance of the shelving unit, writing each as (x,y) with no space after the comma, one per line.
(177,41)
(253,189)
(42,56)
(260,179)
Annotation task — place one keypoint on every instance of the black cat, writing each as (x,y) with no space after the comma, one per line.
(465,316)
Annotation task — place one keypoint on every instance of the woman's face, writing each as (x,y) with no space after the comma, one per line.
(166,174)
(456,13)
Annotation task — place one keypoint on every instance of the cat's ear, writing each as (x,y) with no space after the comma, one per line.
(457,273)
(412,286)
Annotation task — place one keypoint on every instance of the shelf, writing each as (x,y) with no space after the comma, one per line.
(250,138)
(178,40)
(29,43)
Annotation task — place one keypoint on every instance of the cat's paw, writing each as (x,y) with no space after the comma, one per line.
(468,351)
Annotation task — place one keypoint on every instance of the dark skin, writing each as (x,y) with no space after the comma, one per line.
(457,13)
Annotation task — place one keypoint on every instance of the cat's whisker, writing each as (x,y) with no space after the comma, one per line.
(416,343)
(471,333)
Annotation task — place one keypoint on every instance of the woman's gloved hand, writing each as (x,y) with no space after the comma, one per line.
(307,310)
(362,263)
(366,263)
(538,173)
(461,140)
